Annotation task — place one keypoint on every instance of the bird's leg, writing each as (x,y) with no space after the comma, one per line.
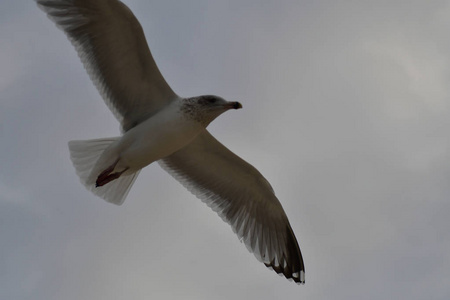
(108,178)
(107,171)
(106,175)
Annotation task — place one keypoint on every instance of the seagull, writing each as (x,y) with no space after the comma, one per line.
(160,126)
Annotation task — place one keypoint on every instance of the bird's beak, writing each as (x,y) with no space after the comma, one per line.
(233,105)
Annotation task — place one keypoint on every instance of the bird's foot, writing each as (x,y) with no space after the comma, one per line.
(106,175)
(102,180)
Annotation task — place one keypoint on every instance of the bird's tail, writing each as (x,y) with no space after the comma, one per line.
(89,159)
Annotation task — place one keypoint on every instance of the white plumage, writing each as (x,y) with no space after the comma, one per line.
(159,125)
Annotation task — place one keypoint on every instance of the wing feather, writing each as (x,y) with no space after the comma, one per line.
(243,198)
(111,44)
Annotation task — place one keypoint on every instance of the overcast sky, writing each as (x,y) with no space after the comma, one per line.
(346,113)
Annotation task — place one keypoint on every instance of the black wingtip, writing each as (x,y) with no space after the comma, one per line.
(291,266)
(295,257)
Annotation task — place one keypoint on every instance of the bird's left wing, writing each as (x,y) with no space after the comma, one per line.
(112,46)
(243,198)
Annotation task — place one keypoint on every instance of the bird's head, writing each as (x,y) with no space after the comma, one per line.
(205,109)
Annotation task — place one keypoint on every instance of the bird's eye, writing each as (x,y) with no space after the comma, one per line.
(211,100)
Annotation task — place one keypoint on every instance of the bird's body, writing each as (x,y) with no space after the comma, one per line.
(158,125)
(155,138)
(167,131)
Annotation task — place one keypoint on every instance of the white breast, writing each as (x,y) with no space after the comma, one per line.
(156,138)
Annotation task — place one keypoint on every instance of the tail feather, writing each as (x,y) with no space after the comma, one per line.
(85,157)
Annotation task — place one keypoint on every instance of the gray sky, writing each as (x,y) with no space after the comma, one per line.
(346,113)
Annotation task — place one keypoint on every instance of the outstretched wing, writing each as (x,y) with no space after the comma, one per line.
(112,46)
(243,198)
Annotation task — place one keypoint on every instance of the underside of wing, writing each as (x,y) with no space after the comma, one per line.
(112,46)
(243,198)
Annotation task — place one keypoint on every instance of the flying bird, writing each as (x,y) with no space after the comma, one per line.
(160,126)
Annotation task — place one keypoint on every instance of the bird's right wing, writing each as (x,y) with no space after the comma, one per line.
(112,46)
(243,198)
